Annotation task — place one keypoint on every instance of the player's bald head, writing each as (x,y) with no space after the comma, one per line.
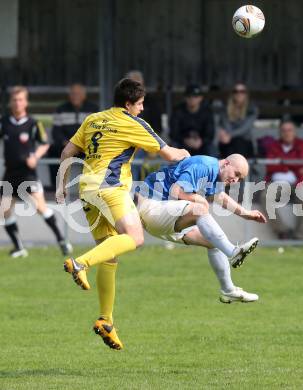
(239,163)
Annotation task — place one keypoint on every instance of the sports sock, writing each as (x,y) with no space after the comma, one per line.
(221,267)
(11,228)
(107,250)
(106,276)
(50,220)
(213,233)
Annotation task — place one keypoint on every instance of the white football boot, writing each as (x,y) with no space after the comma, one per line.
(15,253)
(66,247)
(237,295)
(242,251)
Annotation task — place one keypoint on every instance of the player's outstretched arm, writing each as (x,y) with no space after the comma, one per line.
(230,204)
(169,153)
(69,151)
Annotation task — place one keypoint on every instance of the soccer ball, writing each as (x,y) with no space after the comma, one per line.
(248,21)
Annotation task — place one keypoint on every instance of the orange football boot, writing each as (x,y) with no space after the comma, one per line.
(78,272)
(108,333)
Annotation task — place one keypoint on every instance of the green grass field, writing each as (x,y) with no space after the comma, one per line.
(176,333)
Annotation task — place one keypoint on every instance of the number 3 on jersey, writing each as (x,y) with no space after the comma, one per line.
(93,146)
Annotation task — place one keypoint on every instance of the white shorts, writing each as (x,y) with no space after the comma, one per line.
(159,218)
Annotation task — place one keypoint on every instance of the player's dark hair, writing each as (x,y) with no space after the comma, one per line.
(128,90)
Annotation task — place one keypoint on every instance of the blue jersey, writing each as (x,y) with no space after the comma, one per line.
(197,174)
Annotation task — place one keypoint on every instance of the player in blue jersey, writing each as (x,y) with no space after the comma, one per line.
(174,205)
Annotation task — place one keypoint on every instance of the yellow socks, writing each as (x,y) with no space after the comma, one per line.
(109,249)
(106,275)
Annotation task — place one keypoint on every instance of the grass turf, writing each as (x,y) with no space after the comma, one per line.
(176,333)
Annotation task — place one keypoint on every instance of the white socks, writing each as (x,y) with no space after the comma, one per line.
(221,267)
(213,233)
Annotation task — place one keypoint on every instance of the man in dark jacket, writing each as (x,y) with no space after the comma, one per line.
(70,115)
(192,123)
(152,104)
(152,115)
(67,120)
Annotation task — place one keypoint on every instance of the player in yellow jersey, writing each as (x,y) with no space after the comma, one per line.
(109,140)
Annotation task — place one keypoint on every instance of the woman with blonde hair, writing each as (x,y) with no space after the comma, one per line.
(236,123)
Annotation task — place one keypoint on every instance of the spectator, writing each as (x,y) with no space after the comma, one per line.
(67,120)
(287,147)
(152,106)
(152,115)
(236,124)
(192,123)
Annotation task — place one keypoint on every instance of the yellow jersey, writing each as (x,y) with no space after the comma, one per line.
(110,140)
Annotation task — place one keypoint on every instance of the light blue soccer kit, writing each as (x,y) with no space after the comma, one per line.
(159,213)
(197,174)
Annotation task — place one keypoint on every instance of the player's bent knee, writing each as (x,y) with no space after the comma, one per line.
(200,209)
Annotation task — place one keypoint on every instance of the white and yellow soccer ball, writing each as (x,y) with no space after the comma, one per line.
(248,21)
